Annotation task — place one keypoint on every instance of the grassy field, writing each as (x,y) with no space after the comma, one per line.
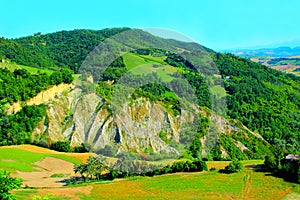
(247,184)
(207,185)
(33,70)
(141,64)
(23,157)
(154,59)
(163,71)
(132,60)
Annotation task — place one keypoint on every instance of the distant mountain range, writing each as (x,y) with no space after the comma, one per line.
(274,52)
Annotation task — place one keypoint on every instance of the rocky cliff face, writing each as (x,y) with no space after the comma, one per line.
(136,127)
(87,118)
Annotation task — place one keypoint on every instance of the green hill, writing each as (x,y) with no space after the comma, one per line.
(67,48)
(263,99)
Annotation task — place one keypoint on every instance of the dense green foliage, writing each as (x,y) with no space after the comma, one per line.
(277,163)
(98,168)
(67,48)
(65,146)
(194,78)
(17,128)
(62,146)
(233,167)
(265,100)
(8,183)
(257,148)
(13,51)
(20,85)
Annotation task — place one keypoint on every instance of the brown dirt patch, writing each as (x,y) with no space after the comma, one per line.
(55,165)
(80,156)
(47,167)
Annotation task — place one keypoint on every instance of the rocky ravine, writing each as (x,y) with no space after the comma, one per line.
(87,118)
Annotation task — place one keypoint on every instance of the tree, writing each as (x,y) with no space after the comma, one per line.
(8,183)
(95,166)
(81,169)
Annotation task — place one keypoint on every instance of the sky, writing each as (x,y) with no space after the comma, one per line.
(217,24)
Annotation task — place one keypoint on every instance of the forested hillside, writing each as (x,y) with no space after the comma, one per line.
(265,100)
(67,48)
(18,53)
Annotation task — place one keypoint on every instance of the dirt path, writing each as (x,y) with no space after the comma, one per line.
(247,185)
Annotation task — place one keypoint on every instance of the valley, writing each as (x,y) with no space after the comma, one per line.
(284,59)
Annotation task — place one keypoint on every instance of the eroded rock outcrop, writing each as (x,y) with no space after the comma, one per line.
(135,126)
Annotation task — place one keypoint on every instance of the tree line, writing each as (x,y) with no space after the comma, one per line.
(97,168)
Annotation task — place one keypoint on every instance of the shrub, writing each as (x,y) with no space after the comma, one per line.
(233,167)
(270,162)
(212,169)
(81,149)
(62,146)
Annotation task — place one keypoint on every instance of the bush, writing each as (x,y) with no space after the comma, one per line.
(233,167)
(81,149)
(270,162)
(212,169)
(62,146)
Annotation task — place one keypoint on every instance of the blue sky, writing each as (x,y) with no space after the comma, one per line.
(218,24)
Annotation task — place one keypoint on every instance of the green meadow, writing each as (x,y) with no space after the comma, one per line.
(13,159)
